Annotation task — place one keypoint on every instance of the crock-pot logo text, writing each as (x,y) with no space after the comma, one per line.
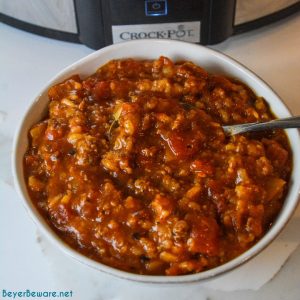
(178,34)
(185,31)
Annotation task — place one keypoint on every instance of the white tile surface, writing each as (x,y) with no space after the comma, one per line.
(27,261)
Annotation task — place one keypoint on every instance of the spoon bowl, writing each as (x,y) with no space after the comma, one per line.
(292,122)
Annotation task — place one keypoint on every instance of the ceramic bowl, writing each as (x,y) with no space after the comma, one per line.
(151,49)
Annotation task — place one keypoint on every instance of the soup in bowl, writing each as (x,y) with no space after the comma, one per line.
(123,162)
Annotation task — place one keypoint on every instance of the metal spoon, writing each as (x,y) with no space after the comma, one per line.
(292,122)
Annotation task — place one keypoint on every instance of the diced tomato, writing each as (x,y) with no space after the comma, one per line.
(101,91)
(204,236)
(182,146)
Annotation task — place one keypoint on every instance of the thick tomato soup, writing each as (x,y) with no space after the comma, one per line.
(132,168)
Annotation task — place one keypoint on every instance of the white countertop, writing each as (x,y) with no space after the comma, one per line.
(27,261)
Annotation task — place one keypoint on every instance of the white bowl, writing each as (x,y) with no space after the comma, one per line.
(150,49)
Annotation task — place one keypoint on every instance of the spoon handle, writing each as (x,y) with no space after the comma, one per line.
(292,122)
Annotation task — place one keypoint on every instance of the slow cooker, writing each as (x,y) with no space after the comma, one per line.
(97,23)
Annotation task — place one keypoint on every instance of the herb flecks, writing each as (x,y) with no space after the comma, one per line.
(116,116)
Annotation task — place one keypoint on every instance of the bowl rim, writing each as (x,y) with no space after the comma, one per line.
(42,225)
